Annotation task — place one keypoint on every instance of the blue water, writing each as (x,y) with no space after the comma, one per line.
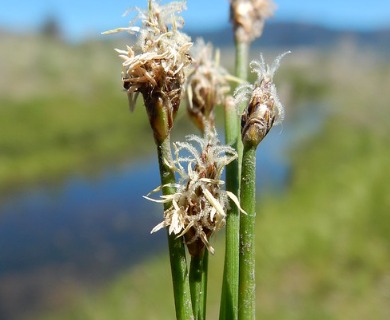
(99,221)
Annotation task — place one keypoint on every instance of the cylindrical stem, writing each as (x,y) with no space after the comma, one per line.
(203,296)
(177,253)
(247,284)
(242,54)
(198,284)
(229,297)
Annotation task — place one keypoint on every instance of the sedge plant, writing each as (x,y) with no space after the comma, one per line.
(162,66)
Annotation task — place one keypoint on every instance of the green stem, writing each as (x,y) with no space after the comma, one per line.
(204,284)
(242,54)
(177,253)
(229,296)
(198,285)
(247,284)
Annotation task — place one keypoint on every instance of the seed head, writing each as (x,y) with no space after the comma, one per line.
(248,17)
(207,85)
(199,204)
(154,66)
(264,108)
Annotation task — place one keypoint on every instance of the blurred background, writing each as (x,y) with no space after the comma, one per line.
(74,164)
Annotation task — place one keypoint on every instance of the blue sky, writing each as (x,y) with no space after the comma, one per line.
(80,18)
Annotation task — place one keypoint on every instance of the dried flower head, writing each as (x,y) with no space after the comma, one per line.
(248,17)
(199,203)
(154,66)
(264,108)
(207,85)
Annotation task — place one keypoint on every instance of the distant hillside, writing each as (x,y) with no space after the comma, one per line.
(292,34)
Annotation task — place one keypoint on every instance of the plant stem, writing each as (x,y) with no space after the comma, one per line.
(229,296)
(204,284)
(198,285)
(242,54)
(177,253)
(247,284)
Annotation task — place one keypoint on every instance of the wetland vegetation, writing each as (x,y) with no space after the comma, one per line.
(322,245)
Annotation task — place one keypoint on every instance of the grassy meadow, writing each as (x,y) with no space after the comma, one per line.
(322,247)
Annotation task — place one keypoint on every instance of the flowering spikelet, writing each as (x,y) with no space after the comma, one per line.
(264,108)
(207,85)
(154,66)
(248,17)
(199,203)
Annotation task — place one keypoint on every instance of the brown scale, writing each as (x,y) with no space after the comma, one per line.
(255,123)
(195,244)
(202,108)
